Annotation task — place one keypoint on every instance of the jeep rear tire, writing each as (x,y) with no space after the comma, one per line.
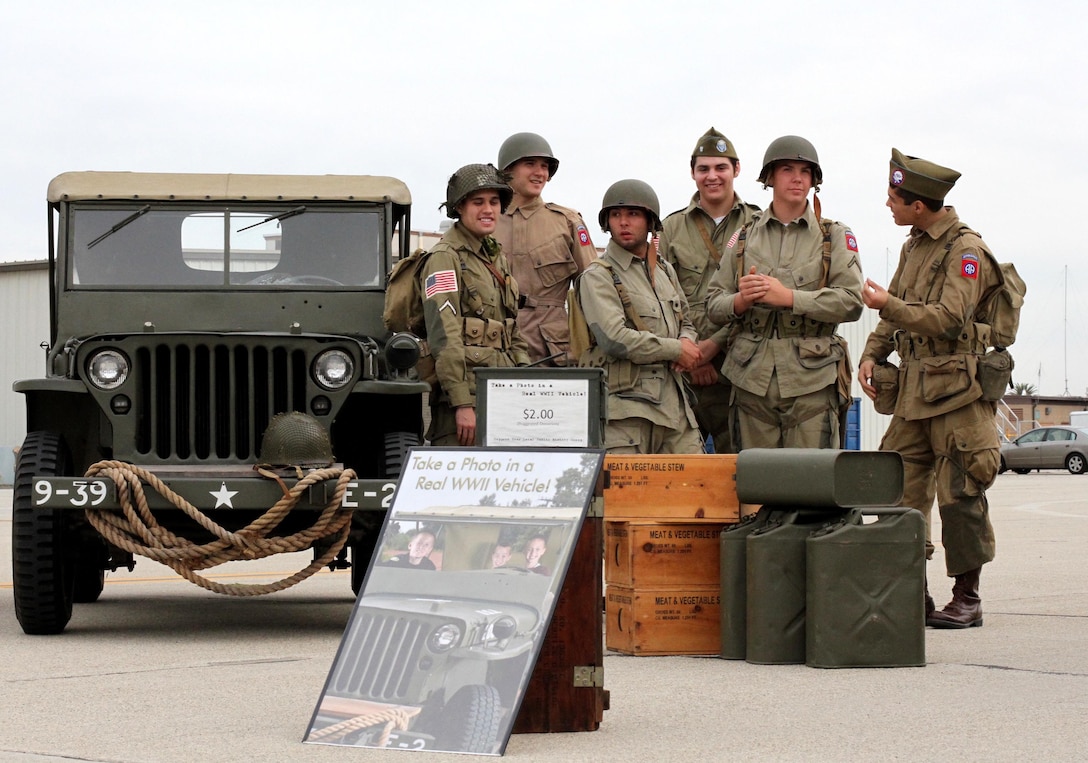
(42,578)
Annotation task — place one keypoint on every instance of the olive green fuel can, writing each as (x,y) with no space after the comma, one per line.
(734,582)
(776,580)
(865,590)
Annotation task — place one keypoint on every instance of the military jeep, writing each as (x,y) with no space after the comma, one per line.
(187,311)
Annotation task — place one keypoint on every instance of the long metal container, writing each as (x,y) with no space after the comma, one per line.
(865,588)
(798,477)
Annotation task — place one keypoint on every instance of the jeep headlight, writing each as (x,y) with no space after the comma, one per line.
(444,637)
(333,369)
(504,628)
(107,369)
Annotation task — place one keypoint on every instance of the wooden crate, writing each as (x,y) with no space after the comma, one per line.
(671,487)
(555,701)
(663,621)
(655,554)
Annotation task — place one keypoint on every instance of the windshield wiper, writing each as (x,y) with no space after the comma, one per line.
(141,211)
(281,216)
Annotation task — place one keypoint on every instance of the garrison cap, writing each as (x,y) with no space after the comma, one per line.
(917,176)
(713,143)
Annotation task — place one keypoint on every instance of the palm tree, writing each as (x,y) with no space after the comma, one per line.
(1024,388)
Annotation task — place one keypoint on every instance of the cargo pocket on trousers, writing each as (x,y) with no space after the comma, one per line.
(979,456)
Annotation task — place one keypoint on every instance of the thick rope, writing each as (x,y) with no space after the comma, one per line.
(136,530)
(392,718)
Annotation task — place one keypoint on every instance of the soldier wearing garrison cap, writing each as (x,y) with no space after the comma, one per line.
(546,245)
(693,240)
(786,281)
(941,425)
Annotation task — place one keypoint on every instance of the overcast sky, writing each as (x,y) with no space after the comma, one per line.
(416,89)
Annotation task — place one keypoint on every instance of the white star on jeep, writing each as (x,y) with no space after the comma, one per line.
(222,496)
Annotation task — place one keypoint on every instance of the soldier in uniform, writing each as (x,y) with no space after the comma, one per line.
(785,283)
(941,426)
(692,240)
(637,315)
(546,245)
(470,302)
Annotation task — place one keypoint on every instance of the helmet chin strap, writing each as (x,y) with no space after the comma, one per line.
(816,206)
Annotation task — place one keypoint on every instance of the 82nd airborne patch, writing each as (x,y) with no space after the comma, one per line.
(969,265)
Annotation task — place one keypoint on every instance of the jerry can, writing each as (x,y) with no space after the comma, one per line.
(865,591)
(776,580)
(819,477)
(734,582)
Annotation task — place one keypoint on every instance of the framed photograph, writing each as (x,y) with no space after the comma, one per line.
(457,601)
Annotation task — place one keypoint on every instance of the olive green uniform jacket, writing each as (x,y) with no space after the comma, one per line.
(547,246)
(930,318)
(471,319)
(796,344)
(683,245)
(638,364)
(942,427)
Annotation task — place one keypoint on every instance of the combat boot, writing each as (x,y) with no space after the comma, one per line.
(930,606)
(965,609)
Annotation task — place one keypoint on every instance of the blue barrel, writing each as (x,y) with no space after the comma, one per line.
(865,586)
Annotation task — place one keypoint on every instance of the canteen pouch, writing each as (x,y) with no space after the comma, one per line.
(886,381)
(995,374)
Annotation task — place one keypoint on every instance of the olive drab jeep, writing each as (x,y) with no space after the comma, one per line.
(191,316)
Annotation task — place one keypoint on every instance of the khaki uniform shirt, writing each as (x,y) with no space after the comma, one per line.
(930,318)
(683,245)
(638,364)
(471,319)
(547,246)
(794,344)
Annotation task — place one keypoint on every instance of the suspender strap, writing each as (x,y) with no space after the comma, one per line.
(712,250)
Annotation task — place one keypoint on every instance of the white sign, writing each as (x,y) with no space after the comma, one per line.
(545,413)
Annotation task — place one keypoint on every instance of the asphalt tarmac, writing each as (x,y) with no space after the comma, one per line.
(160,671)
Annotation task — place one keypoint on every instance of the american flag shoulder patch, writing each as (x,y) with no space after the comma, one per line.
(442,282)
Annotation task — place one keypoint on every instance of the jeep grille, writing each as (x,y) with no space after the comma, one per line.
(198,398)
(382,656)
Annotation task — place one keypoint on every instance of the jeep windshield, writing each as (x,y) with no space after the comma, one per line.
(237,246)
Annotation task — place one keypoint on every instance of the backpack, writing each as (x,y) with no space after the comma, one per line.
(1002,311)
(403,301)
